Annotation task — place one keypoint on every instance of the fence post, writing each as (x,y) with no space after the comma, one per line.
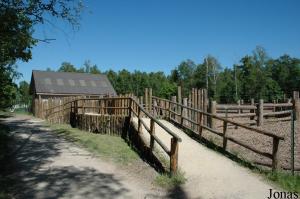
(156,109)
(200,120)
(275,154)
(173,108)
(292,143)
(296,105)
(150,101)
(260,112)
(205,104)
(169,111)
(224,135)
(139,121)
(181,115)
(213,111)
(146,99)
(152,132)
(174,156)
(185,110)
(252,110)
(130,108)
(239,105)
(40,107)
(179,95)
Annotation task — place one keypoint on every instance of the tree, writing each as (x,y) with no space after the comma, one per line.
(255,77)
(286,72)
(88,67)
(67,67)
(17,21)
(183,75)
(8,89)
(213,69)
(226,87)
(49,69)
(23,91)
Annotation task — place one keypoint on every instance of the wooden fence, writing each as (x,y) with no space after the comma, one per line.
(193,120)
(88,114)
(42,104)
(104,114)
(258,113)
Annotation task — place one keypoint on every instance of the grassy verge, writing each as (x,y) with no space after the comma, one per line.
(285,180)
(22,111)
(5,141)
(110,147)
(113,148)
(167,181)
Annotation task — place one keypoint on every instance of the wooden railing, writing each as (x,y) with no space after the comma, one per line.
(195,122)
(137,111)
(261,111)
(118,106)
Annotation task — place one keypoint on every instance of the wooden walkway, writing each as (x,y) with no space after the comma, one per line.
(209,174)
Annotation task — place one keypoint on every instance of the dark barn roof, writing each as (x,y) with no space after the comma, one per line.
(45,82)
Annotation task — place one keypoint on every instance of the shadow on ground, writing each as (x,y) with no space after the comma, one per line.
(23,173)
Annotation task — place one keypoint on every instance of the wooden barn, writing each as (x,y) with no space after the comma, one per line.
(55,88)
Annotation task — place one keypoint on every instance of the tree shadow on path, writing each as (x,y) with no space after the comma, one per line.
(24,173)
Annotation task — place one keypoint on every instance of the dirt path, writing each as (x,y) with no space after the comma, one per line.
(50,167)
(210,174)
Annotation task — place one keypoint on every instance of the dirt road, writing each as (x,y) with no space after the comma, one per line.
(50,167)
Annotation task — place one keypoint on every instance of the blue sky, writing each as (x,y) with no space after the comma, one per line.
(156,35)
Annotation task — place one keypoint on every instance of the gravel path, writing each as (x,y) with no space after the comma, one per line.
(210,174)
(50,167)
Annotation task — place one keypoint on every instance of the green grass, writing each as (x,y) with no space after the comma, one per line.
(285,180)
(167,181)
(114,148)
(22,111)
(111,147)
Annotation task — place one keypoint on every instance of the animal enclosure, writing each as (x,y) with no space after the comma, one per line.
(264,146)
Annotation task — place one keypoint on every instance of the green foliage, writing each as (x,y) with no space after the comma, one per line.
(15,34)
(226,87)
(23,91)
(167,181)
(136,82)
(67,67)
(255,76)
(90,68)
(8,89)
(17,20)
(285,180)
(183,75)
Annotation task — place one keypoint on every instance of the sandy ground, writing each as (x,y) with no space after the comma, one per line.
(47,166)
(210,174)
(262,142)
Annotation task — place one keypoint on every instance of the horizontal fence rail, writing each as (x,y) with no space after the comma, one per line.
(193,119)
(258,113)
